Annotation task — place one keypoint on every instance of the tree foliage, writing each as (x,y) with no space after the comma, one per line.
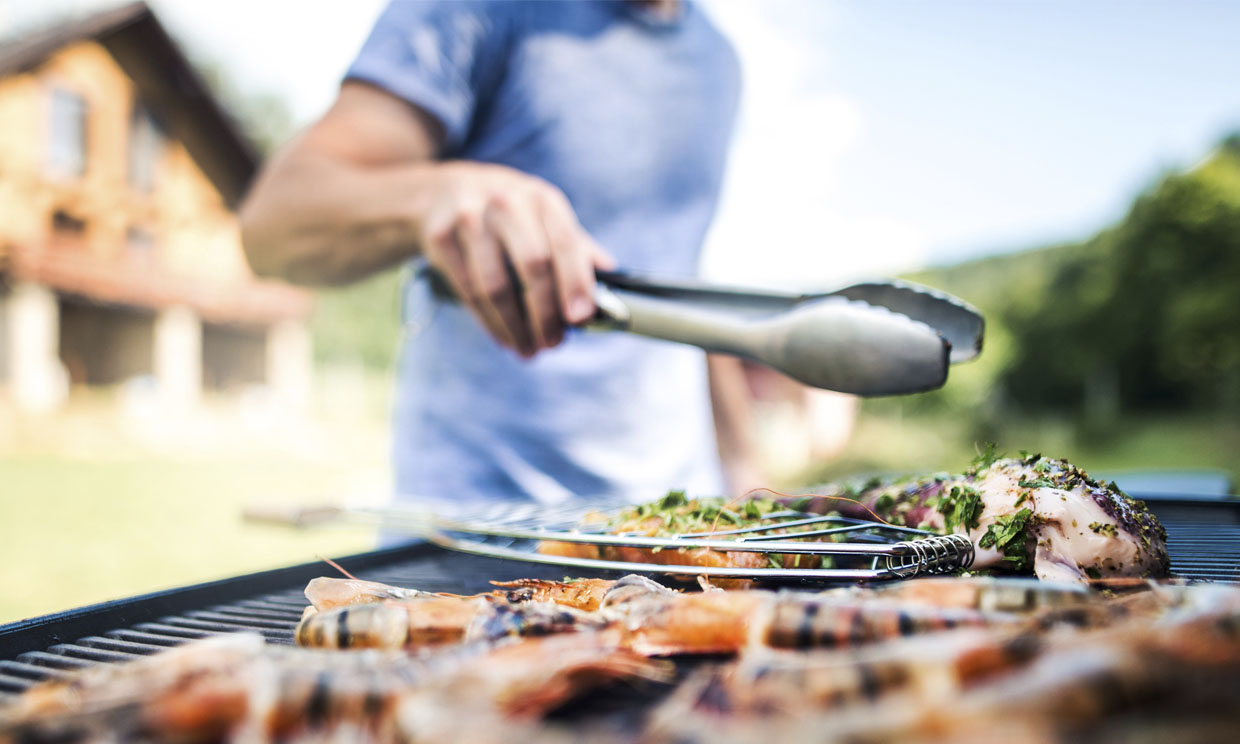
(1144,316)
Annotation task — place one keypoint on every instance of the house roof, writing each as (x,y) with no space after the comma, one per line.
(168,84)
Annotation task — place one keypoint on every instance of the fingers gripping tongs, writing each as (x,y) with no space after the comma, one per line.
(875,338)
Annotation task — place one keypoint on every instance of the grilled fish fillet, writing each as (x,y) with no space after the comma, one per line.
(1024,515)
(1032,513)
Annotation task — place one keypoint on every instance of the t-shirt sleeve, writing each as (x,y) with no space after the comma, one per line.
(439,56)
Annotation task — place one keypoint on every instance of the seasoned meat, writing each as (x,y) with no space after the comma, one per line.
(1033,513)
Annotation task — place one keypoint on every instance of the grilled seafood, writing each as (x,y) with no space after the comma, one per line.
(932,659)
(731,622)
(676,514)
(327,593)
(655,620)
(786,683)
(436,622)
(524,608)
(160,693)
(1033,513)
(976,684)
(427,622)
(235,688)
(985,593)
(580,594)
(527,677)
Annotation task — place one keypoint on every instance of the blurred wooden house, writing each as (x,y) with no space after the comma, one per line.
(120,255)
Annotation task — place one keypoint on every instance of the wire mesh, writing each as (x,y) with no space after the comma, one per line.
(848,549)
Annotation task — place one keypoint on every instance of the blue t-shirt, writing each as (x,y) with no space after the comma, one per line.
(630,115)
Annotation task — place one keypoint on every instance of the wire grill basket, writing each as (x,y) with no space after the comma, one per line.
(860,550)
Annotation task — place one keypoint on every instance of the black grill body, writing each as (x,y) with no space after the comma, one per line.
(1203,540)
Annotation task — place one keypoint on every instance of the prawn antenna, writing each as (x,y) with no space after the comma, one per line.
(337,566)
(822,496)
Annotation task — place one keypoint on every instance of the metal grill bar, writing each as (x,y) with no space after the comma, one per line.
(116,644)
(91,654)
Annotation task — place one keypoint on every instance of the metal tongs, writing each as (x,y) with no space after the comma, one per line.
(873,338)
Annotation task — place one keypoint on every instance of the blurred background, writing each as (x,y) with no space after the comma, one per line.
(1072,170)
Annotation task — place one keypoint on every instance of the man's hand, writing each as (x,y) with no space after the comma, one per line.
(513,250)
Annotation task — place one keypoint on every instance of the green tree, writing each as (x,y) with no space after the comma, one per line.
(1146,315)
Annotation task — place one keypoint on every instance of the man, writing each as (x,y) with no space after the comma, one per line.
(514,147)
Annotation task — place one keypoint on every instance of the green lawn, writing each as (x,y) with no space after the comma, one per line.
(74,532)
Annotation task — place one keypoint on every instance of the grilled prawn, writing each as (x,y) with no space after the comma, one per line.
(581,594)
(1011,684)
(326,593)
(731,622)
(235,688)
(788,683)
(161,693)
(526,607)
(435,622)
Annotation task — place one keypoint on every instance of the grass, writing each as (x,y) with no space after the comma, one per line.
(74,532)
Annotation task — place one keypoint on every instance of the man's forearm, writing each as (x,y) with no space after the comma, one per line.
(362,190)
(312,219)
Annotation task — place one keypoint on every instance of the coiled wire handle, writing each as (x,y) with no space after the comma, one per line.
(932,555)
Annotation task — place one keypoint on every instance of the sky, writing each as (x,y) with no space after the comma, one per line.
(875,137)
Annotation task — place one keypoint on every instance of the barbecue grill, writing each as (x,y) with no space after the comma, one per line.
(1203,538)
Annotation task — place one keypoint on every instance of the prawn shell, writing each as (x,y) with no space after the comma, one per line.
(707,623)
(423,622)
(582,594)
(808,622)
(988,594)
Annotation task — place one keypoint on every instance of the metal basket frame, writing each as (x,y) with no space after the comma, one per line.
(513,532)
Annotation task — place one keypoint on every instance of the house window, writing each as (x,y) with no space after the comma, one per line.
(68,231)
(66,154)
(145,144)
(140,243)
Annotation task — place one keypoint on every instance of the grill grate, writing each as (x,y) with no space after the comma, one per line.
(1204,543)
(273,614)
(1205,550)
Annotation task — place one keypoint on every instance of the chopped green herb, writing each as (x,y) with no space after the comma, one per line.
(672,500)
(1037,483)
(1009,535)
(985,458)
(961,507)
